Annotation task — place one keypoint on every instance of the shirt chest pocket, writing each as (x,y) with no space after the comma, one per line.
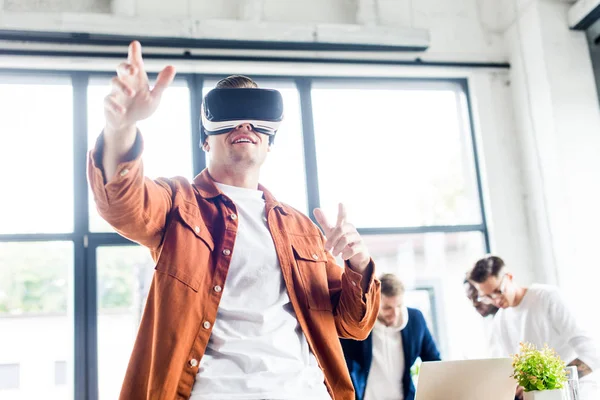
(187,250)
(311,262)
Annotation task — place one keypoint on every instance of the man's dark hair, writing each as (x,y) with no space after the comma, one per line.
(236,82)
(483,309)
(486,267)
(391,286)
(470,289)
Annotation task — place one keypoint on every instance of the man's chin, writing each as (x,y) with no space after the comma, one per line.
(245,158)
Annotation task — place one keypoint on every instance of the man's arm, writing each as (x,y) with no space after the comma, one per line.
(354,290)
(355,310)
(563,322)
(130,101)
(134,206)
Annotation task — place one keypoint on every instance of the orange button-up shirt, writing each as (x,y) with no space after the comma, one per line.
(190,232)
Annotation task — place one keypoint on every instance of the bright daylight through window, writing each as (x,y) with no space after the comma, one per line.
(65,273)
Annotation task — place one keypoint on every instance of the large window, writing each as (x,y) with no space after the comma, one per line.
(36,319)
(401,146)
(36,156)
(124,277)
(398,153)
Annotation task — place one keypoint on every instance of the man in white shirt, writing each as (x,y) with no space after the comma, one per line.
(380,365)
(538,315)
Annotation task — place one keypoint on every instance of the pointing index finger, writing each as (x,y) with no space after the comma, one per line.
(134,55)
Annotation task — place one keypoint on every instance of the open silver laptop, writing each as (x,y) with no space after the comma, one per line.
(488,379)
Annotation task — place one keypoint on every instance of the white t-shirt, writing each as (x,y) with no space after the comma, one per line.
(257,349)
(543,317)
(387,367)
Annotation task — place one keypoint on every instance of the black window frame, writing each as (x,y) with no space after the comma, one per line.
(86,243)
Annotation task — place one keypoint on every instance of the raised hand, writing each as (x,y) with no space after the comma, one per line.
(131,99)
(343,238)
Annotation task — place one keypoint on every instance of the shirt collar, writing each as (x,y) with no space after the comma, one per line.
(207,189)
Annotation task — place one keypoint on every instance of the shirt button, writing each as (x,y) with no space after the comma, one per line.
(124,172)
(353,283)
(226,252)
(218,288)
(194,362)
(197,229)
(206,325)
(316,257)
(233,217)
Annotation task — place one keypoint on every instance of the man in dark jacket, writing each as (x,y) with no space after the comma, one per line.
(380,365)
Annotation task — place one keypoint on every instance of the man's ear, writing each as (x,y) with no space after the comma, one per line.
(205,146)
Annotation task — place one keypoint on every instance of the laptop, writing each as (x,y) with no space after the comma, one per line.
(488,379)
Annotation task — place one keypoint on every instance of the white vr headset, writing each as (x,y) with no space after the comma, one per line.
(225,109)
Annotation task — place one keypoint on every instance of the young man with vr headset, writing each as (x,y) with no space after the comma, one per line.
(247,301)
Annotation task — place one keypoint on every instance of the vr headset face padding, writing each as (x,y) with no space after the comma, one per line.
(203,136)
(225,109)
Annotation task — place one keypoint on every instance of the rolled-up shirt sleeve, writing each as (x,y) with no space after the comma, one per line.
(565,324)
(135,206)
(355,310)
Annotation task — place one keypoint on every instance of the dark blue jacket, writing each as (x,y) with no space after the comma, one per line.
(416,341)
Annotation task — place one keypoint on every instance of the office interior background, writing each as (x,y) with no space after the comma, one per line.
(449,128)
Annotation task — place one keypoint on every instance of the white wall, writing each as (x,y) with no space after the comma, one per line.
(559,128)
(532,117)
(502,171)
(456,29)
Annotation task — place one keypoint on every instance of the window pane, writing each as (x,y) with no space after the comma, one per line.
(124,277)
(437,262)
(36,299)
(423,300)
(36,156)
(60,373)
(408,147)
(283,173)
(167,137)
(9,376)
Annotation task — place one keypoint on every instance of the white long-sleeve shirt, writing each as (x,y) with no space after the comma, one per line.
(543,317)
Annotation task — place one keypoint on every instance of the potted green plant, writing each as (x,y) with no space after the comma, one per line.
(540,372)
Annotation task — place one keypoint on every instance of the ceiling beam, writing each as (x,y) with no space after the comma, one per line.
(583,14)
